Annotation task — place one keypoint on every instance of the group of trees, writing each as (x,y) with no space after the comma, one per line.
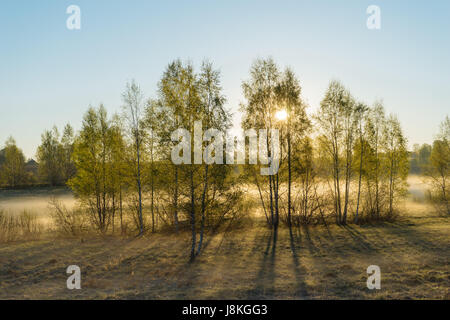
(13,168)
(207,193)
(126,160)
(358,141)
(352,166)
(433,163)
(270,92)
(439,169)
(54,156)
(355,161)
(54,166)
(98,155)
(420,159)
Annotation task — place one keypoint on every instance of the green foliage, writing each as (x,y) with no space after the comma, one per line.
(337,120)
(354,162)
(12,168)
(98,154)
(54,156)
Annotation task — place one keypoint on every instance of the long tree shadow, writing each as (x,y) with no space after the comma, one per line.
(266,275)
(413,237)
(313,249)
(300,271)
(359,238)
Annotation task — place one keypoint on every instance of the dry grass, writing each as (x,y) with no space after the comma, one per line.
(315,263)
(24,226)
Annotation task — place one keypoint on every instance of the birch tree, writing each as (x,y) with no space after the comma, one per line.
(172,92)
(93,157)
(215,117)
(258,113)
(360,111)
(49,157)
(375,123)
(335,120)
(296,123)
(397,164)
(133,104)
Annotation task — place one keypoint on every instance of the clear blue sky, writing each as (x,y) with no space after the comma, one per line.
(49,75)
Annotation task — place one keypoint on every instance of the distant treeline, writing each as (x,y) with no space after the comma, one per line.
(346,162)
(433,162)
(15,172)
(54,166)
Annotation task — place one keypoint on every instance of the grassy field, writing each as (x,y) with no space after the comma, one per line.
(310,263)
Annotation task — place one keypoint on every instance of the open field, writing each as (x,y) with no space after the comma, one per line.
(313,263)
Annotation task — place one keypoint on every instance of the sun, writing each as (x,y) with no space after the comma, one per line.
(281,115)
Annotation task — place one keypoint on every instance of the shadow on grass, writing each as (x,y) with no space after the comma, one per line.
(359,238)
(300,271)
(417,239)
(264,282)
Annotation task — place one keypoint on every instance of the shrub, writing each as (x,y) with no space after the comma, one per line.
(24,226)
(67,221)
